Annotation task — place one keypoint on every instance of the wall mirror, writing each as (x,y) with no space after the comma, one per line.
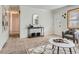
(35,20)
(73,18)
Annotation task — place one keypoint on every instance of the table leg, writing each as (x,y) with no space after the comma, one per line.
(70,50)
(52,46)
(74,50)
(64,51)
(53,50)
(58,50)
(74,40)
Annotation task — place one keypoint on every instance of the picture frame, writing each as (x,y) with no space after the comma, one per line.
(4,19)
(35,20)
(73,18)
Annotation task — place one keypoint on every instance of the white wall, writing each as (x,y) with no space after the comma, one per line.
(45,20)
(50,20)
(60,24)
(3,34)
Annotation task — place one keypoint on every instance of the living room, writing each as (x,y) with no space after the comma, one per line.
(49,21)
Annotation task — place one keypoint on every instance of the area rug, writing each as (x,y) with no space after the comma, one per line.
(47,49)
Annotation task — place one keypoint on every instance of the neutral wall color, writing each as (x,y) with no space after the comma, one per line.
(45,20)
(3,34)
(60,24)
(50,20)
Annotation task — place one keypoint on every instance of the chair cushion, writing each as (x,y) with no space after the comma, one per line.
(67,35)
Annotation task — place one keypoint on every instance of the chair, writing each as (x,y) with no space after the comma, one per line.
(69,34)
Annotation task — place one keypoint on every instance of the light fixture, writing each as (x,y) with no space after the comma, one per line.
(64,15)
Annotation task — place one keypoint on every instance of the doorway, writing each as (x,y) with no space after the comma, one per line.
(14,24)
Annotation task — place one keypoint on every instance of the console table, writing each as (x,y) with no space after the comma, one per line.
(41,33)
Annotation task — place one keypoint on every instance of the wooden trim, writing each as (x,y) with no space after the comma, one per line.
(67,19)
(72,9)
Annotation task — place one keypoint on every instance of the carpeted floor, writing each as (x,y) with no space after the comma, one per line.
(47,49)
(30,46)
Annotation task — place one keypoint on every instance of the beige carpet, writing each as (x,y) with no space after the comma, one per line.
(47,49)
(24,46)
(16,45)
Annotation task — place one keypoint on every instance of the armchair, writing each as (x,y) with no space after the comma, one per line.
(69,34)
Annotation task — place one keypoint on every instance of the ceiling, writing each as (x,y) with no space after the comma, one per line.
(14,7)
(48,7)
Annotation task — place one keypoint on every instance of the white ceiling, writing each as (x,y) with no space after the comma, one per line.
(48,7)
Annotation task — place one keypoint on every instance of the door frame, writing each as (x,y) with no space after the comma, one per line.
(9,22)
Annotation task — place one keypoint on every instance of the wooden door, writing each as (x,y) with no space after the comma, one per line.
(14,24)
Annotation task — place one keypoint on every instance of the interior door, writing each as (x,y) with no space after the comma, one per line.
(14,24)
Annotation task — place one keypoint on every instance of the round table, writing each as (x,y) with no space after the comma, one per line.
(68,44)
